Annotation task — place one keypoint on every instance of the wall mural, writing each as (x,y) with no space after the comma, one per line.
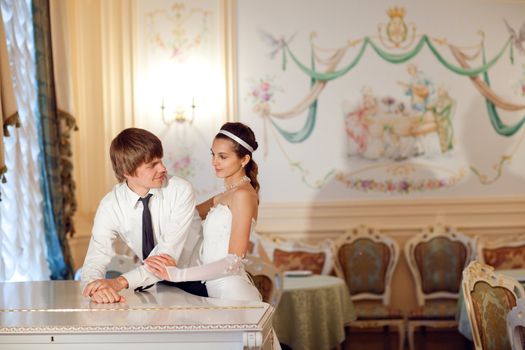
(519,85)
(176,70)
(187,27)
(398,143)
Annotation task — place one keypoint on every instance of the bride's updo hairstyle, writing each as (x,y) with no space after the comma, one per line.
(240,133)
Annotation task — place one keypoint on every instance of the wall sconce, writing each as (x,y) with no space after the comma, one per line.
(179,115)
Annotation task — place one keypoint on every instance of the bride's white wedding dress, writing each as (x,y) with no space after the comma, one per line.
(215,244)
(223,272)
(216,240)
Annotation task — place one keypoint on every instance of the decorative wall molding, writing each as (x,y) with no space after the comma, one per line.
(229,30)
(326,219)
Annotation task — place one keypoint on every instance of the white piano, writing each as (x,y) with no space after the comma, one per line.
(54,315)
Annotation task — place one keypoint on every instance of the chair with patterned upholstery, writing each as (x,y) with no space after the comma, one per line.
(489,297)
(267,278)
(436,258)
(502,254)
(516,325)
(366,260)
(290,255)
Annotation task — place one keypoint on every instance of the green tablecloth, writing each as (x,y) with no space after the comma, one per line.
(312,312)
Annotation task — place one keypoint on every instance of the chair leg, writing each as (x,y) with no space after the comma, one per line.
(410,334)
(401,330)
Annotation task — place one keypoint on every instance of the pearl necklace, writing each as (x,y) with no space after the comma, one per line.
(237,184)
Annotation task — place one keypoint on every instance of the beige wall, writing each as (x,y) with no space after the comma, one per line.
(101,54)
(101,64)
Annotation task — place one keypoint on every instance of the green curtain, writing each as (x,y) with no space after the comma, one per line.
(56,167)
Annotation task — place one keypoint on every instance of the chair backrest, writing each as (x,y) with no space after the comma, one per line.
(502,254)
(489,297)
(436,258)
(516,325)
(296,255)
(267,278)
(367,260)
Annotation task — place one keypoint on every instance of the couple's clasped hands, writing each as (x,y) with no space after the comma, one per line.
(156,264)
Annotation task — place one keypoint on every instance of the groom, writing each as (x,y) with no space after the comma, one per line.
(153,213)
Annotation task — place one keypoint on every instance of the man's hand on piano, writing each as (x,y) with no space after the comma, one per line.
(107,296)
(106,290)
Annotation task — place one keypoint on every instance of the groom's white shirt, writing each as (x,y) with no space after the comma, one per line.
(174,220)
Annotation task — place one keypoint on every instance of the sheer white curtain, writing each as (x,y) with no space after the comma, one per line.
(22,237)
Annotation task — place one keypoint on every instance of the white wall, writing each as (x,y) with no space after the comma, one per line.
(109,59)
(325,152)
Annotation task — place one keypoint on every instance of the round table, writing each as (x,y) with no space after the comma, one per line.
(313,312)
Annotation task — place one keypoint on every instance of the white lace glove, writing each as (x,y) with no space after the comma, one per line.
(229,265)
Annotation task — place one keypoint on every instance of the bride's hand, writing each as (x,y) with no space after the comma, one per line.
(157,265)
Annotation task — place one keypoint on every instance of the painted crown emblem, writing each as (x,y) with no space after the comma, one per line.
(395,11)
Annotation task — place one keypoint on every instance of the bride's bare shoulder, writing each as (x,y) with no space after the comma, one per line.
(243,196)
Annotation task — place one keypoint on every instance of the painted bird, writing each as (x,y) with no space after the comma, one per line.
(518,39)
(275,43)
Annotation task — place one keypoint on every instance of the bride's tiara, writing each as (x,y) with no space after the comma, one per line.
(237,139)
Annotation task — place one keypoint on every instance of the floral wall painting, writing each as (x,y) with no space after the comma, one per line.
(184,163)
(181,165)
(179,87)
(188,27)
(398,104)
(262,94)
(176,56)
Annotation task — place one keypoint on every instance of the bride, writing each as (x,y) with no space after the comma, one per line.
(229,219)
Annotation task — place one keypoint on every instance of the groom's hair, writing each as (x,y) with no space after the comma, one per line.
(132,148)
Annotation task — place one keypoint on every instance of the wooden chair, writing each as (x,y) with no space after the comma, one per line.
(366,260)
(267,278)
(502,254)
(489,297)
(516,325)
(436,258)
(289,255)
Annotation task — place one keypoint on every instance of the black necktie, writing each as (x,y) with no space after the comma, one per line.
(148,242)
